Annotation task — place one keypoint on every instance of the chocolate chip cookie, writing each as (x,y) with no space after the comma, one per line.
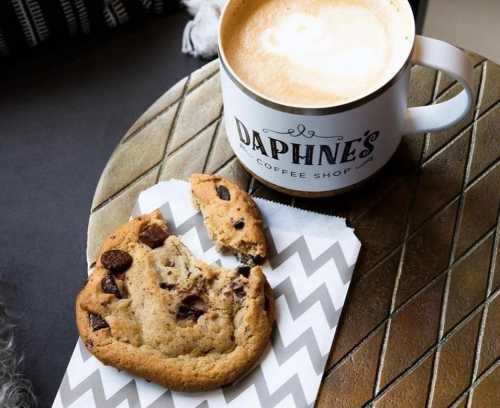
(153,310)
(231,217)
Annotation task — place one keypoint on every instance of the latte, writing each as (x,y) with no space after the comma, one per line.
(314,53)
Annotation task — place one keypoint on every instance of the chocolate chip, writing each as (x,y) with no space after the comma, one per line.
(168,286)
(97,322)
(116,260)
(240,224)
(183,312)
(188,312)
(192,307)
(153,236)
(243,270)
(267,303)
(250,260)
(238,289)
(190,300)
(258,260)
(223,193)
(108,285)
(244,258)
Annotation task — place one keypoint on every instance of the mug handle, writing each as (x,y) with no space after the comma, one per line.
(445,57)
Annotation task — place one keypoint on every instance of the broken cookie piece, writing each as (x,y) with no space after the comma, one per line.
(231,216)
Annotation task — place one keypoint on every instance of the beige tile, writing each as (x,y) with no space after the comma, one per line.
(407,157)
(367,306)
(456,362)
(352,383)
(411,391)
(427,253)
(200,108)
(135,156)
(441,179)
(486,394)
(383,217)
(496,270)
(107,218)
(480,210)
(444,81)
(462,403)
(414,329)
(491,90)
(468,282)
(438,139)
(190,158)
(421,85)
(490,347)
(221,151)
(486,146)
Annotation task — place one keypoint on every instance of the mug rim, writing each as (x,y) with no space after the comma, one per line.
(319,110)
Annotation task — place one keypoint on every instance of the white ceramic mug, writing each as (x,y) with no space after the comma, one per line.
(327,150)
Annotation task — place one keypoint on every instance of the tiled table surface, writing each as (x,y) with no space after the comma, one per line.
(421,326)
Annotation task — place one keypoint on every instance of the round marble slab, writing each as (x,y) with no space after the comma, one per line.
(422,321)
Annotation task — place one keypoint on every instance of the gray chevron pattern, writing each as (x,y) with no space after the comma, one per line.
(299,247)
(297,308)
(196,222)
(93,383)
(292,388)
(129,392)
(305,340)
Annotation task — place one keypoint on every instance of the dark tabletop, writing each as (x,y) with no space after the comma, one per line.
(61,115)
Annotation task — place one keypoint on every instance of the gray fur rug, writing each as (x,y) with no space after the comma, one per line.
(15,390)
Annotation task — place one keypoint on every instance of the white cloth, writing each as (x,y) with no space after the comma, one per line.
(200,34)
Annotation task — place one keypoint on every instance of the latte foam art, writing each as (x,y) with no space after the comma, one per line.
(344,49)
(316,52)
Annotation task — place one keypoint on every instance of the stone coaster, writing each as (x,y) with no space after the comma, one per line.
(421,326)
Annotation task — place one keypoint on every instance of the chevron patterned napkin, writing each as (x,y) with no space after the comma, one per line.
(311,259)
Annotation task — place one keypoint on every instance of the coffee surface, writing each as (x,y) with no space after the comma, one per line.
(314,53)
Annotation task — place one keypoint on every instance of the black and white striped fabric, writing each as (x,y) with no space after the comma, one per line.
(27,23)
